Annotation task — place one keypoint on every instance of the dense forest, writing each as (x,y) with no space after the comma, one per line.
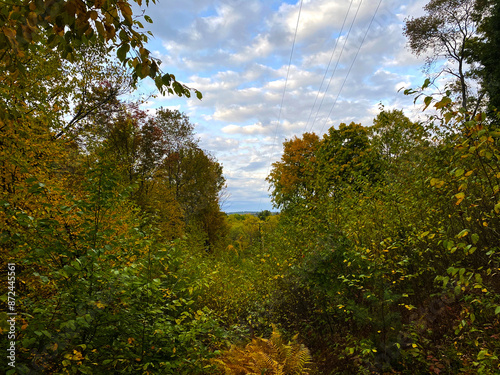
(116,258)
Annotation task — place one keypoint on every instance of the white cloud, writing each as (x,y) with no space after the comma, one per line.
(236,52)
(247,129)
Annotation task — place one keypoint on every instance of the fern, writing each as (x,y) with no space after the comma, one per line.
(266,357)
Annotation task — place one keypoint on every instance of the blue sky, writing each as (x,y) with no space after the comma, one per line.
(237,53)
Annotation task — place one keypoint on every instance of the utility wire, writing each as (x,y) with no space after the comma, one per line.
(283,95)
(328,67)
(337,63)
(287,73)
(349,71)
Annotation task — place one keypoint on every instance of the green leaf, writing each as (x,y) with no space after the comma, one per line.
(148,19)
(123,36)
(445,281)
(461,272)
(166,79)
(482,354)
(448,116)
(443,103)
(497,310)
(122,51)
(427,101)
(448,244)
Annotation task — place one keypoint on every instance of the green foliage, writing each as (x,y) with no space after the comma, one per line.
(28,28)
(445,30)
(394,270)
(263,215)
(87,218)
(483,49)
(101,295)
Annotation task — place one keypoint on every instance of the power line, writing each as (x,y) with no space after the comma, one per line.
(283,95)
(288,70)
(328,66)
(349,71)
(337,63)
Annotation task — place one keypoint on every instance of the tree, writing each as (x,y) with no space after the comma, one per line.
(345,158)
(445,31)
(177,129)
(291,177)
(263,215)
(394,135)
(28,28)
(484,49)
(197,181)
(159,155)
(95,80)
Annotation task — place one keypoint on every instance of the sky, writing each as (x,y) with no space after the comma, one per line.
(268,75)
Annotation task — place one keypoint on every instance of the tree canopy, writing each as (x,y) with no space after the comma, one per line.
(31,27)
(446,31)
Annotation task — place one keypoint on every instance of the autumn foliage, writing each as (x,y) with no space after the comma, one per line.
(383,259)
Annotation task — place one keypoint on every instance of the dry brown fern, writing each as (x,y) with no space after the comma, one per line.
(266,357)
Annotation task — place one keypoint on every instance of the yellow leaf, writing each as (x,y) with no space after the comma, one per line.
(125,8)
(32,19)
(460,196)
(10,34)
(77,355)
(437,183)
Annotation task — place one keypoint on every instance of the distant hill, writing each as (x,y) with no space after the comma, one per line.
(248,212)
(242,212)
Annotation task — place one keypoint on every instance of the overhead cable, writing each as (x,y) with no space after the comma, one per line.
(284,91)
(337,63)
(349,71)
(328,66)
